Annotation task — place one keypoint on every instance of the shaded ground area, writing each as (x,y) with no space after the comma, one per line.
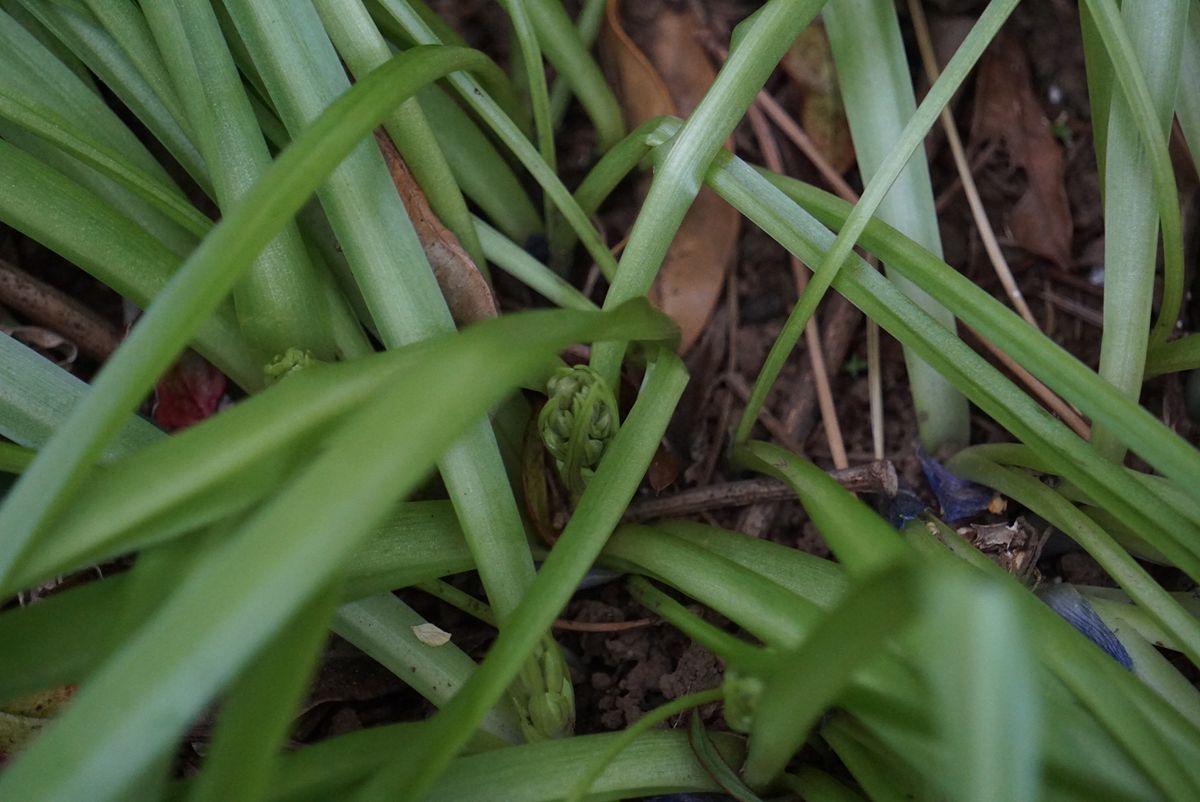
(1025,124)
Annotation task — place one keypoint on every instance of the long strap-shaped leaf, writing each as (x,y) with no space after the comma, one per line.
(302,72)
(279,303)
(1136,199)
(1140,586)
(809,679)
(1102,480)
(88,231)
(35,395)
(877,188)
(95,46)
(597,514)
(1061,371)
(658,761)
(203,281)
(274,563)
(877,93)
(1071,732)
(63,638)
(681,174)
(363,48)
(510,134)
(862,541)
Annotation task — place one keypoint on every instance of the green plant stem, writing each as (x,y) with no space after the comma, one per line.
(509,134)
(877,189)
(587,26)
(278,302)
(1135,178)
(383,627)
(661,713)
(681,172)
(197,289)
(362,46)
(595,517)
(878,97)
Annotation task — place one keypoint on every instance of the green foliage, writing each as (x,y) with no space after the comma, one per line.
(910,667)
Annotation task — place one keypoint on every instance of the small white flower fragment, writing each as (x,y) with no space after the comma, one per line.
(431,634)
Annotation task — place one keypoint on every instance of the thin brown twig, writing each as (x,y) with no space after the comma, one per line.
(53,309)
(792,130)
(775,426)
(812,331)
(770,106)
(875,388)
(986,233)
(982,156)
(1076,309)
(873,477)
(1041,391)
(725,408)
(603,626)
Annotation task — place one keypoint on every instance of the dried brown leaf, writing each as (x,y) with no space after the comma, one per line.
(671,77)
(664,468)
(1007,110)
(809,63)
(466,291)
(641,90)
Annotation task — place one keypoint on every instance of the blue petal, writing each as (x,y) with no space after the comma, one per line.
(958,498)
(1072,606)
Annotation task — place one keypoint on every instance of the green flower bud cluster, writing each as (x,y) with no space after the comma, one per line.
(543,695)
(742,693)
(577,423)
(293,360)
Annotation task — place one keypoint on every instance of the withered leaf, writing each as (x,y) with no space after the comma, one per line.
(1007,110)
(466,291)
(809,63)
(670,77)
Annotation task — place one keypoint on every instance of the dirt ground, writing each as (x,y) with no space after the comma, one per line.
(1041,191)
